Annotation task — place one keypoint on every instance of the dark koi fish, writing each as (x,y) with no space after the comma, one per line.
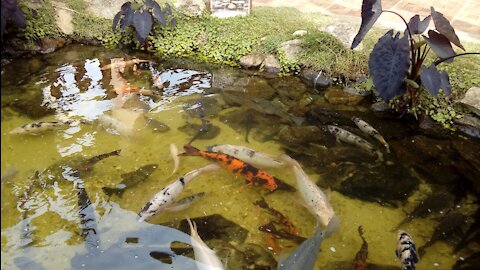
(281,219)
(360,262)
(254,176)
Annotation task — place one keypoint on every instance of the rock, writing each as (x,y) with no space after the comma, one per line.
(381,106)
(223,79)
(231,6)
(290,87)
(271,64)
(345,32)
(432,128)
(194,129)
(300,135)
(470,165)
(252,60)
(259,87)
(49,45)
(299,33)
(469,125)
(315,78)
(472,100)
(104,9)
(339,96)
(291,48)
(191,7)
(214,227)
(377,185)
(64,18)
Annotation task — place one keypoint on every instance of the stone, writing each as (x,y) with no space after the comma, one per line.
(345,32)
(104,8)
(339,96)
(381,106)
(271,64)
(299,33)
(49,45)
(252,60)
(291,48)
(64,18)
(191,7)
(315,78)
(469,125)
(472,100)
(232,6)
(432,128)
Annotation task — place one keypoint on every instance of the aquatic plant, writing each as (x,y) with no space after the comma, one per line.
(11,12)
(142,17)
(396,62)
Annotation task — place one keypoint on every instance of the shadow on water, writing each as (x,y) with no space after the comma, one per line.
(80,213)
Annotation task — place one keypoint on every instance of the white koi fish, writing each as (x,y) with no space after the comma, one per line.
(206,259)
(369,130)
(348,137)
(248,155)
(39,127)
(176,159)
(315,200)
(184,203)
(406,251)
(168,194)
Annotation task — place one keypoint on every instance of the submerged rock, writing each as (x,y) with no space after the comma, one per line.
(252,60)
(376,185)
(342,97)
(192,129)
(214,227)
(315,78)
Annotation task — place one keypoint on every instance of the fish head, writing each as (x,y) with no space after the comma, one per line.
(147,212)
(333,129)
(355,119)
(17,130)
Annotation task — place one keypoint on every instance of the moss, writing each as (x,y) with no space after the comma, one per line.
(40,22)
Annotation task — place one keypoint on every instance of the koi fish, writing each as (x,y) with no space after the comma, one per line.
(305,255)
(253,175)
(38,127)
(205,258)
(131,179)
(406,251)
(184,203)
(248,155)
(168,194)
(369,130)
(315,200)
(122,63)
(281,219)
(348,137)
(174,155)
(360,262)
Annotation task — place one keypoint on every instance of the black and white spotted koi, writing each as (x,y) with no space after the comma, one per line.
(406,251)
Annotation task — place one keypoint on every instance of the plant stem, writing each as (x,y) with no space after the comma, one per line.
(412,51)
(439,61)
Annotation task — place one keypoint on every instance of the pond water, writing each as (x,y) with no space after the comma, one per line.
(67,221)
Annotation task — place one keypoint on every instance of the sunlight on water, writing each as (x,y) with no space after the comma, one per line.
(54,218)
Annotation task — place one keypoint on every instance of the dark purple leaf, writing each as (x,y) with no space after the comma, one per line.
(127,20)
(156,9)
(3,24)
(159,17)
(126,7)
(149,3)
(431,79)
(440,45)
(18,18)
(389,62)
(416,26)
(173,22)
(142,21)
(445,83)
(444,27)
(116,19)
(371,10)
(168,9)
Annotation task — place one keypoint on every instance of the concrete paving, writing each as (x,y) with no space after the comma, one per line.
(464,15)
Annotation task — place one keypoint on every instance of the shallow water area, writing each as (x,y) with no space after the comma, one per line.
(51,218)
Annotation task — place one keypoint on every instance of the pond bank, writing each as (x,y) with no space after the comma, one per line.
(280,40)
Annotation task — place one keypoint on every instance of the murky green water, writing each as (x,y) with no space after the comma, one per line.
(70,85)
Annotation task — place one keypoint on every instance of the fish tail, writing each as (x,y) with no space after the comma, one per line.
(333,226)
(387,147)
(190,151)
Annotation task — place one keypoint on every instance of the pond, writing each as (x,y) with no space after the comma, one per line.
(61,209)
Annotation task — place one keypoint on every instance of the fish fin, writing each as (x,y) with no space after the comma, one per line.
(210,148)
(281,185)
(338,140)
(190,151)
(333,226)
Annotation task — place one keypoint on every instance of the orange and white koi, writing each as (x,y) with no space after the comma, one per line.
(253,176)
(369,130)
(315,200)
(168,194)
(248,155)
